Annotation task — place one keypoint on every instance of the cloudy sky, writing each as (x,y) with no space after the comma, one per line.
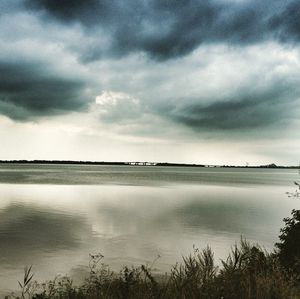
(193,81)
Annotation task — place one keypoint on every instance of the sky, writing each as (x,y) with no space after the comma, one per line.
(193,81)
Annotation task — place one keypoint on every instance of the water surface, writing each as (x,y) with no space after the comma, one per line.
(53,216)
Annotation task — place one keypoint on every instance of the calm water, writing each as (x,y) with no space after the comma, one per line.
(52,217)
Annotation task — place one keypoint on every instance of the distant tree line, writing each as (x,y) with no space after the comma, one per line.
(165,164)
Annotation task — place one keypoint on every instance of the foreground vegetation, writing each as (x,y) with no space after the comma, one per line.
(249,272)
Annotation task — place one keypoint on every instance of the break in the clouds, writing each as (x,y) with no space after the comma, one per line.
(152,71)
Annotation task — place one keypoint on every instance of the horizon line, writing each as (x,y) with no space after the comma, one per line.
(142,163)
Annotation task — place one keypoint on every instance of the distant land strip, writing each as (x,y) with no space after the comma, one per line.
(139,163)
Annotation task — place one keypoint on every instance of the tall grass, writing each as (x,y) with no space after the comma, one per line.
(249,272)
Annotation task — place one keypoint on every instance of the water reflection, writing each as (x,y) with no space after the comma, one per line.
(27,232)
(55,227)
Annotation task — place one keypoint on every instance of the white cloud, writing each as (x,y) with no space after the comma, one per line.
(117,107)
(111,98)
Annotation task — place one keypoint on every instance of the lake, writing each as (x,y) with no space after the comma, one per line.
(53,216)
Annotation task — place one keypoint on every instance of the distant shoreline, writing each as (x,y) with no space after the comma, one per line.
(140,163)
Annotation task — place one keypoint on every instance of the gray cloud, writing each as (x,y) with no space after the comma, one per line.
(200,91)
(242,111)
(164,29)
(287,22)
(87,12)
(32,89)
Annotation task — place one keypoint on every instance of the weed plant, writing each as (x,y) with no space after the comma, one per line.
(249,272)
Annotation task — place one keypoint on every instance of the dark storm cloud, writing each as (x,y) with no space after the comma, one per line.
(164,29)
(96,29)
(287,22)
(87,12)
(239,112)
(30,89)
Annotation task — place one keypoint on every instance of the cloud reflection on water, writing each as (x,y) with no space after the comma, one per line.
(55,227)
(27,232)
